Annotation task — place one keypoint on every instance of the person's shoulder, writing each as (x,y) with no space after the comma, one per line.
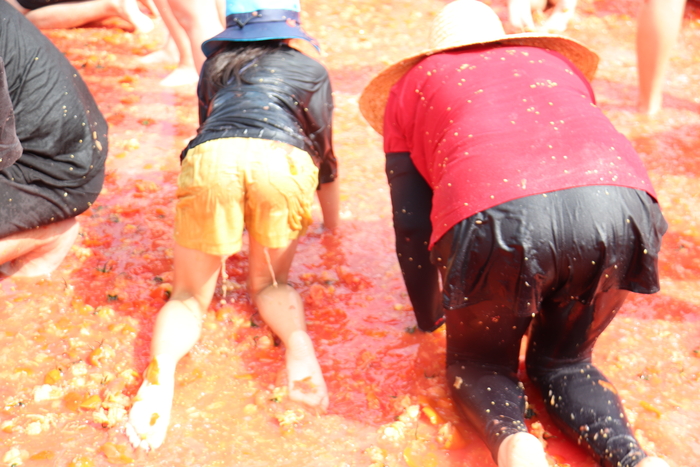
(12,20)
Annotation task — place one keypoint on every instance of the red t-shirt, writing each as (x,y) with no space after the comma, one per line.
(489,125)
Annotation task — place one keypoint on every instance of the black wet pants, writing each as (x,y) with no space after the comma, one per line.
(558,267)
(483,345)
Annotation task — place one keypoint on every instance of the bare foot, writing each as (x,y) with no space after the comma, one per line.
(150,414)
(652,462)
(159,56)
(166,54)
(562,13)
(522,450)
(520,14)
(306,383)
(181,77)
(49,246)
(650,108)
(129,10)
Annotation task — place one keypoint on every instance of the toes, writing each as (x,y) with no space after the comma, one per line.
(133,437)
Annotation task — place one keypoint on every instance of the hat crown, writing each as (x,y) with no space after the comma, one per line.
(465,22)
(246,6)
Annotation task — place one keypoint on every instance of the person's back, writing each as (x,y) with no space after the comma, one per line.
(541,132)
(56,116)
(283,96)
(64,146)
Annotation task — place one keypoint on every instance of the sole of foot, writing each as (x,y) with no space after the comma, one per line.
(306,383)
(522,450)
(149,416)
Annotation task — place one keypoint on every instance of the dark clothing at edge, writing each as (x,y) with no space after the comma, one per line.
(62,133)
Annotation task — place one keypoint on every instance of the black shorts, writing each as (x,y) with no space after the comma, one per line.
(27,203)
(34,4)
(574,242)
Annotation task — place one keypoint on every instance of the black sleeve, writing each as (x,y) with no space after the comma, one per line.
(320,127)
(411,200)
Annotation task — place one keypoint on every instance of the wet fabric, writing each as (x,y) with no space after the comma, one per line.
(229,184)
(566,243)
(290,100)
(411,200)
(10,147)
(561,266)
(34,4)
(61,130)
(483,343)
(488,125)
(25,205)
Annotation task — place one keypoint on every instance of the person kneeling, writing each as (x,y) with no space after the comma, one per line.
(53,146)
(508,182)
(262,149)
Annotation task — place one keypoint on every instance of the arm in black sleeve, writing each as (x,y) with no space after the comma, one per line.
(411,200)
(319,122)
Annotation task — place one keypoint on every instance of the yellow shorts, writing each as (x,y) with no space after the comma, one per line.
(231,183)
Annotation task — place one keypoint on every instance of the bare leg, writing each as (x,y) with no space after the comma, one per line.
(221,9)
(521,450)
(282,309)
(658,25)
(168,53)
(200,21)
(329,198)
(520,14)
(38,251)
(185,73)
(76,14)
(177,330)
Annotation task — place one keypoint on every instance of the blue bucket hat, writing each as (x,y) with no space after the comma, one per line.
(259,20)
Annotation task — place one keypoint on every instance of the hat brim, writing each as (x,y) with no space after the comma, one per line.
(375,95)
(256,32)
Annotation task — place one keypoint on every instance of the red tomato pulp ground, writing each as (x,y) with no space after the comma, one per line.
(73,346)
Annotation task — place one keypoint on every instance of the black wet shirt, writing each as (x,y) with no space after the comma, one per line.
(287,97)
(62,132)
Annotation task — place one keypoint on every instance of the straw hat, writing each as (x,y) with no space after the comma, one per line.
(259,20)
(464,23)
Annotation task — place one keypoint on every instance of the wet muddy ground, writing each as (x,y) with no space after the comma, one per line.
(73,346)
